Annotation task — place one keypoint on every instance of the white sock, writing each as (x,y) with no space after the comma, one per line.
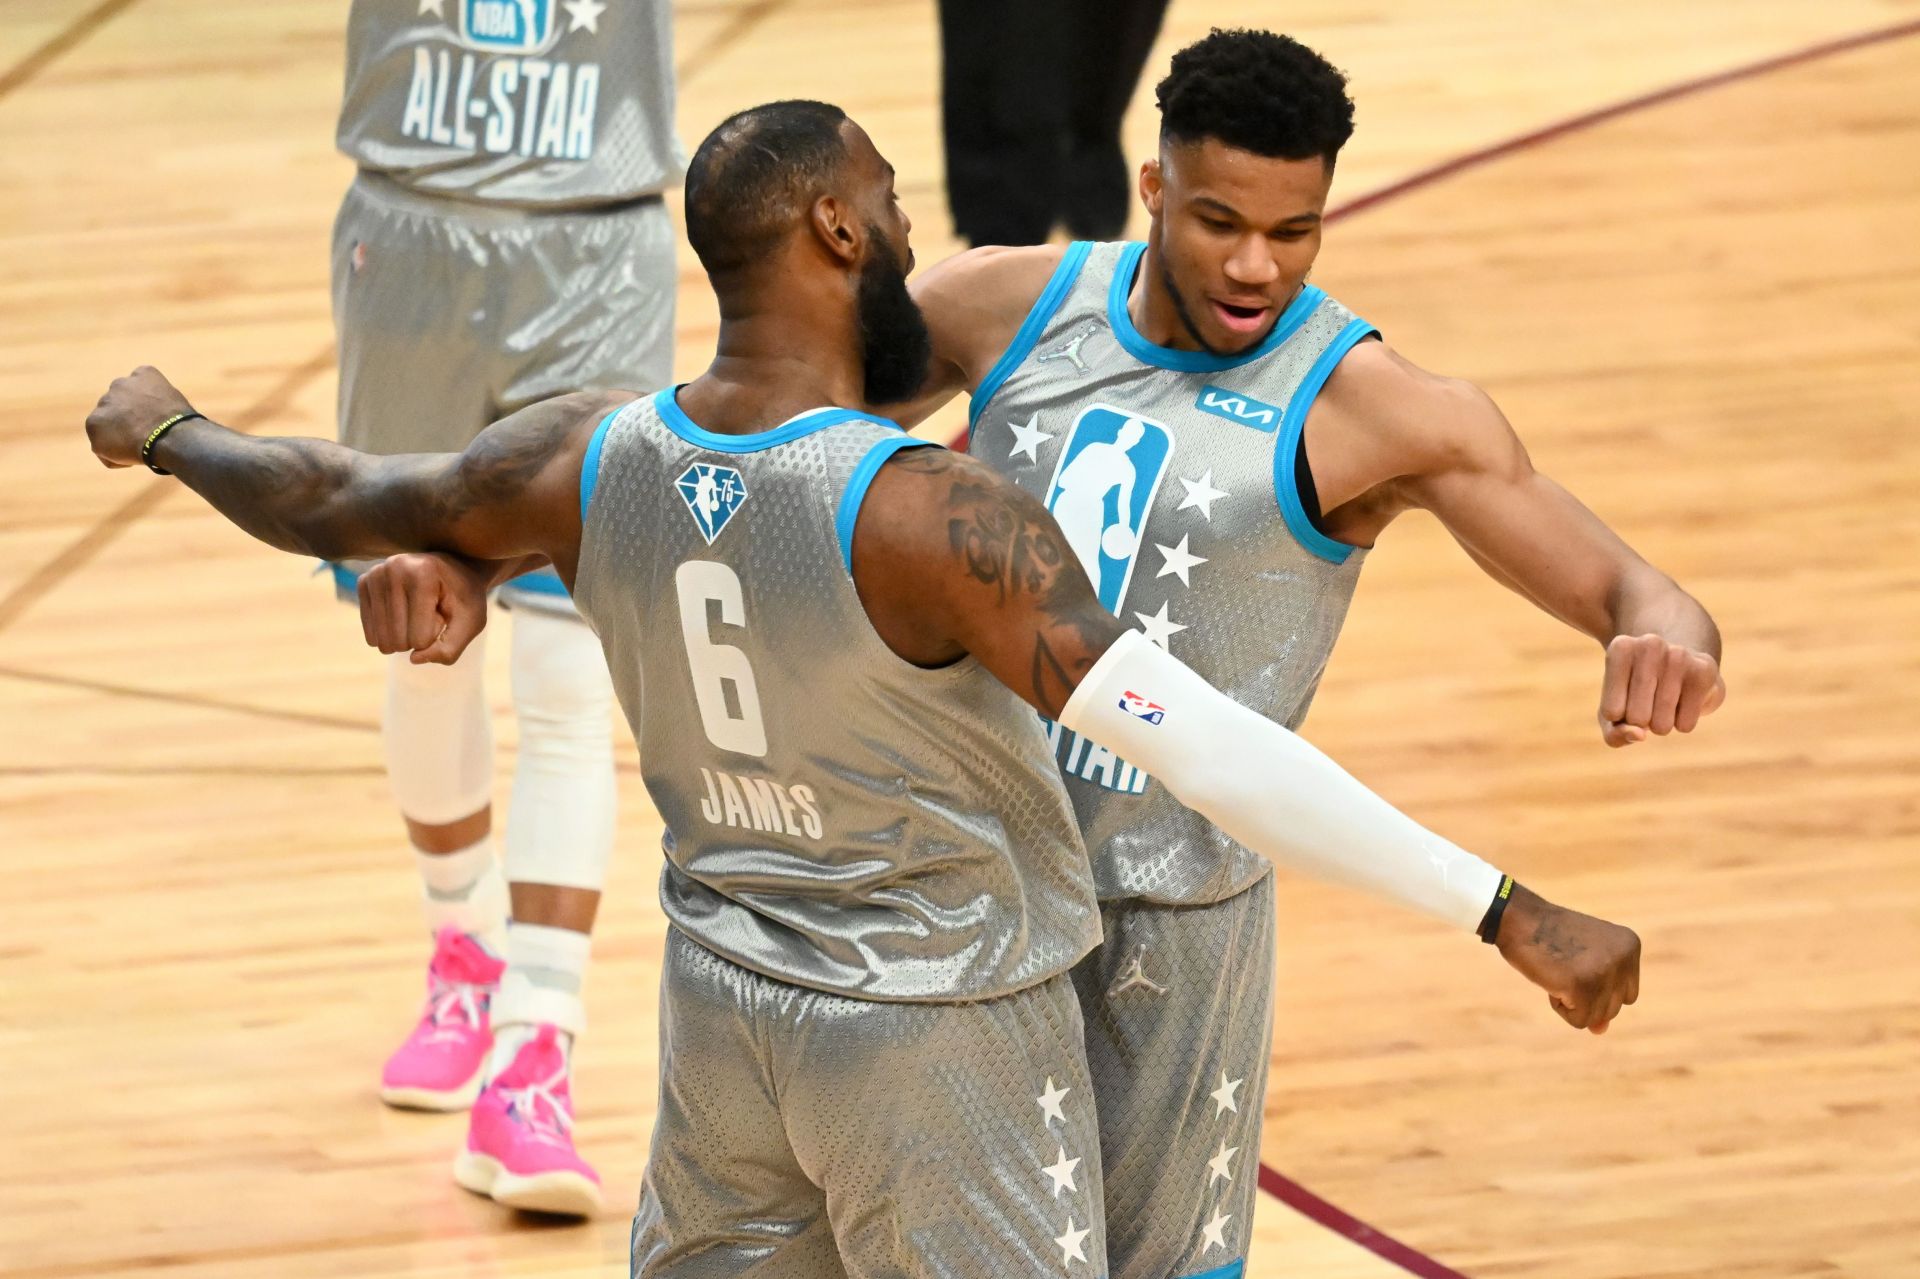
(467,890)
(546,971)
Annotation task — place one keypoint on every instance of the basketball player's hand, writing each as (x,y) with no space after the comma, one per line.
(1654,685)
(1589,968)
(128,412)
(431,606)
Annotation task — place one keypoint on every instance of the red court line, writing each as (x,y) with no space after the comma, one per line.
(1274,1182)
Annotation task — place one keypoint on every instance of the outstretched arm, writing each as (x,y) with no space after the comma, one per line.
(950,558)
(513,492)
(1457,457)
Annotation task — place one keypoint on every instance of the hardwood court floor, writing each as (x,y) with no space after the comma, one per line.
(1702,318)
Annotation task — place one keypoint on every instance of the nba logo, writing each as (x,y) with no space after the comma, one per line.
(1103,489)
(712,495)
(508,26)
(1140,708)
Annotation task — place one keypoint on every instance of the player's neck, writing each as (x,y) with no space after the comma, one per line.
(773,363)
(1154,310)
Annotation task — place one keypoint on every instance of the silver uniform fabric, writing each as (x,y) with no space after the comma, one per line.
(896,833)
(1178,1005)
(1218,574)
(450,316)
(534,103)
(803,1135)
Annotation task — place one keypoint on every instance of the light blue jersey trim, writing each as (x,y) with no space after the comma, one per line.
(541,581)
(590,465)
(1232,1270)
(1058,286)
(1166,357)
(1293,428)
(346,582)
(856,491)
(683,426)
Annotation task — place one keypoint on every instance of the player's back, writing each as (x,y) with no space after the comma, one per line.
(1200,536)
(835,817)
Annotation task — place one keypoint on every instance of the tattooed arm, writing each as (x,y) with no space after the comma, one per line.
(514,492)
(951,558)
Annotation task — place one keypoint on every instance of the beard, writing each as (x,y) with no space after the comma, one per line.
(895,346)
(1186,316)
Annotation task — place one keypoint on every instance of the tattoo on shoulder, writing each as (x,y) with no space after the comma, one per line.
(1005,539)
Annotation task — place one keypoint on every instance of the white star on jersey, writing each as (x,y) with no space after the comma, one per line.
(1028,439)
(1202,494)
(1050,1101)
(1223,1096)
(1218,1164)
(1062,1173)
(1215,1231)
(433,7)
(1178,560)
(585,15)
(1069,1244)
(1160,628)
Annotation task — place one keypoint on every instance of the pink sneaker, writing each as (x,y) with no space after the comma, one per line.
(440,1064)
(520,1137)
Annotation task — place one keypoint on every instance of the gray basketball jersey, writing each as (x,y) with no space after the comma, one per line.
(1172,475)
(531,103)
(835,817)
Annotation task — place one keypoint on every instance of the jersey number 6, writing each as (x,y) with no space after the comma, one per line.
(714,666)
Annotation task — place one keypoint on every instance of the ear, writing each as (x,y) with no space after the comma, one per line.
(837,229)
(1153,192)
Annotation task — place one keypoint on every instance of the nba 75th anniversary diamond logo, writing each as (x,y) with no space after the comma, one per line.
(712,494)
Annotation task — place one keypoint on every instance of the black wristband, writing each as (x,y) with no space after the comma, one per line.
(159,432)
(1489,929)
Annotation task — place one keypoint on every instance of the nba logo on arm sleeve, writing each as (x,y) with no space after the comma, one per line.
(1140,708)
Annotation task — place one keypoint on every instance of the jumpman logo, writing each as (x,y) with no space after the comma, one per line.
(1069,352)
(1135,975)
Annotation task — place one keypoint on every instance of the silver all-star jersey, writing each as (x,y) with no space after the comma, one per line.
(835,817)
(530,103)
(1172,475)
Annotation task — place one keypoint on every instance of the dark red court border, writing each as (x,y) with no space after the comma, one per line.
(1272,1180)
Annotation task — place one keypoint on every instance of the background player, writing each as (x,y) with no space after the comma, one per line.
(1269,438)
(845,889)
(503,242)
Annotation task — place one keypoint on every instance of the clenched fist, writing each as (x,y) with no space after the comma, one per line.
(1654,685)
(128,412)
(1589,968)
(431,606)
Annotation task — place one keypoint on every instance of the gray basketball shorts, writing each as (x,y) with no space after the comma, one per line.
(805,1135)
(450,315)
(1178,1007)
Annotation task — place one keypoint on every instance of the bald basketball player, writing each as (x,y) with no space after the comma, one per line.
(830,639)
(1221,442)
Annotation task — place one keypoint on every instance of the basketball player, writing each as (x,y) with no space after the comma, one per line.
(1253,438)
(504,241)
(822,631)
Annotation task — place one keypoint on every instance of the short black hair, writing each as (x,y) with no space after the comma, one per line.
(753,175)
(1257,91)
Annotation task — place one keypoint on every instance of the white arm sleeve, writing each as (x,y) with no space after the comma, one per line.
(1268,788)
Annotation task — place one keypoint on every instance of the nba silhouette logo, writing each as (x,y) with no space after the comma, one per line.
(508,26)
(712,495)
(1102,492)
(1140,708)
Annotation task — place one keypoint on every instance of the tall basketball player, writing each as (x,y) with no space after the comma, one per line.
(503,242)
(1253,438)
(827,636)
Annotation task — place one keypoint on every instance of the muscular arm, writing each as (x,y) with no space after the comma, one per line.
(514,492)
(1451,451)
(974,303)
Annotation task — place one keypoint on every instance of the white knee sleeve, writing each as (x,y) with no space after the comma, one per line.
(438,737)
(560,827)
